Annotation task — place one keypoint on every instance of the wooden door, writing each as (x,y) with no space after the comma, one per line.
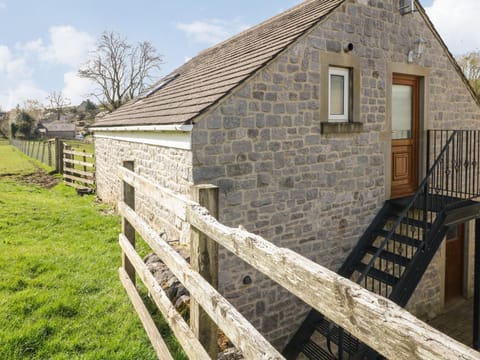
(454,263)
(405,134)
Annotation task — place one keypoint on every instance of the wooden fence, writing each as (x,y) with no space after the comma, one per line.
(43,151)
(78,169)
(376,321)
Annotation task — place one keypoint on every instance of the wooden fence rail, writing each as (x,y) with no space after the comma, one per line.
(78,169)
(376,321)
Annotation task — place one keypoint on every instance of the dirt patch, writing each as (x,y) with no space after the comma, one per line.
(41,178)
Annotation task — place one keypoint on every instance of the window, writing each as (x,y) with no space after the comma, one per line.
(338,94)
(340,81)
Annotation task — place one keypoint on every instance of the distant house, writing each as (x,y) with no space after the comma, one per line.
(60,129)
(314,126)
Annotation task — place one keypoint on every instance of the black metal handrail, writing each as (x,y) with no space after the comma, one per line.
(458,174)
(422,190)
(411,205)
(452,178)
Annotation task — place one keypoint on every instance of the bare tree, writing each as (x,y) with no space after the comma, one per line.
(58,102)
(120,70)
(470,65)
(33,106)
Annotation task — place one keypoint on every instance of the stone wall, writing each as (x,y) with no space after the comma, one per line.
(280,177)
(168,167)
(427,300)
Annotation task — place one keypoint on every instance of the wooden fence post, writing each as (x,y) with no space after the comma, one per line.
(204,259)
(38,151)
(44,144)
(49,148)
(58,155)
(84,160)
(127,229)
(67,165)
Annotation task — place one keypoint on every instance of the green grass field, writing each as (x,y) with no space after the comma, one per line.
(12,161)
(60,296)
(80,145)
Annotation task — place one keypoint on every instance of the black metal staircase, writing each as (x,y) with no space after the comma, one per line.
(394,252)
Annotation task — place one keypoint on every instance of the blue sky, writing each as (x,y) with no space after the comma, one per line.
(42,43)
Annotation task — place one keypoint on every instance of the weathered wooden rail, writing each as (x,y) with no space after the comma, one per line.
(374,320)
(78,169)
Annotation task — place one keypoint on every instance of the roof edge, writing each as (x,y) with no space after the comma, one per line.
(449,54)
(273,58)
(143,128)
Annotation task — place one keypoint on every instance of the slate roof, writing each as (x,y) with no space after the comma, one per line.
(59,126)
(208,77)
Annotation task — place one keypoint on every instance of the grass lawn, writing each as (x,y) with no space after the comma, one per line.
(12,160)
(81,145)
(60,296)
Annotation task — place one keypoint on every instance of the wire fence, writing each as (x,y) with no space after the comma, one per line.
(43,150)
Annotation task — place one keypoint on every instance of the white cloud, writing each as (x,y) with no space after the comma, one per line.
(211,31)
(76,89)
(31,46)
(455,20)
(16,83)
(63,51)
(5,57)
(17,94)
(12,68)
(67,46)
(3,5)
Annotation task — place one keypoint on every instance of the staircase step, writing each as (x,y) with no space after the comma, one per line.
(314,351)
(389,256)
(399,238)
(378,274)
(415,222)
(350,343)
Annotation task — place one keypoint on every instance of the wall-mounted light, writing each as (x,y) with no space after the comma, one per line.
(417,52)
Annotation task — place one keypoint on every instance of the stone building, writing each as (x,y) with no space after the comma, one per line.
(294,120)
(60,129)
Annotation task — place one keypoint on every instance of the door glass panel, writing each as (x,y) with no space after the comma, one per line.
(337,96)
(402,112)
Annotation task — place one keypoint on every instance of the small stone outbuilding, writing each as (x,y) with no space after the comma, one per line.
(292,119)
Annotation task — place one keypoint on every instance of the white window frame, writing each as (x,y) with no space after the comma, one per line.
(345,72)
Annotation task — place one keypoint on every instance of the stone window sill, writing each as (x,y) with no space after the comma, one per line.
(341,127)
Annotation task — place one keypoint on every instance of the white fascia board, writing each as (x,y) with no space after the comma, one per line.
(185,128)
(171,139)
